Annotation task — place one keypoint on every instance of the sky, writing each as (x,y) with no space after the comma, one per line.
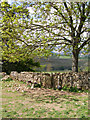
(9,1)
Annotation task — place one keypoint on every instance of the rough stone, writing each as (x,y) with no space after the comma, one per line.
(5,77)
(52,80)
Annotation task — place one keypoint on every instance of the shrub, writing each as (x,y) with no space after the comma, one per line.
(24,65)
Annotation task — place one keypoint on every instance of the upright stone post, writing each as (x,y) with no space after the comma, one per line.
(58,80)
(51,80)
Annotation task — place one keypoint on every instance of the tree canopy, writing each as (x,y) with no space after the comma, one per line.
(15,56)
(63,26)
(46,26)
(13,44)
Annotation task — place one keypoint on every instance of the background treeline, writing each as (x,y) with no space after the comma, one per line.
(62,63)
(52,63)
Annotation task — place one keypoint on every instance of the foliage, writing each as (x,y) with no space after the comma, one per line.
(24,65)
(16,55)
(60,26)
(13,40)
(73,89)
(37,85)
(51,26)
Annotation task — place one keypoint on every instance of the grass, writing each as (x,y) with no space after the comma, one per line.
(41,103)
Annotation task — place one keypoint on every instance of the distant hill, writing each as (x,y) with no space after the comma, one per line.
(54,63)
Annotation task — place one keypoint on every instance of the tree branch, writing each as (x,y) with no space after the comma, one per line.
(59,43)
(56,39)
(59,12)
(88,9)
(79,7)
(45,28)
(83,44)
(71,20)
(82,19)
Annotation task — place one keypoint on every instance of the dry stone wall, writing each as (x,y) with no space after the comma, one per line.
(52,80)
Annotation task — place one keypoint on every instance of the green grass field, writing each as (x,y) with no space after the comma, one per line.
(20,101)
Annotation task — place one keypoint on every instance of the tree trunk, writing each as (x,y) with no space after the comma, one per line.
(75,61)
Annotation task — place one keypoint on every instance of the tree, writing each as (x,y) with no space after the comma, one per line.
(15,55)
(52,25)
(12,17)
(62,26)
(11,32)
